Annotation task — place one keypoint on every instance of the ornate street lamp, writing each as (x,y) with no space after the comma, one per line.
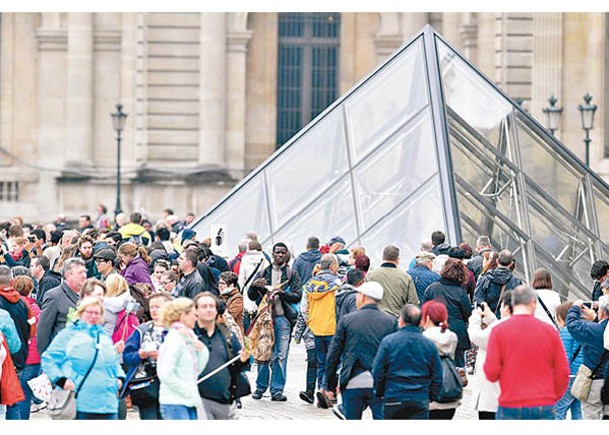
(552,115)
(587,111)
(118,122)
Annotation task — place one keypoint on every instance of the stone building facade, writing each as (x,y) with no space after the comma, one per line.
(200,91)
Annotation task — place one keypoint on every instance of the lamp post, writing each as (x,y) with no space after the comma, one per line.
(587,111)
(552,115)
(118,122)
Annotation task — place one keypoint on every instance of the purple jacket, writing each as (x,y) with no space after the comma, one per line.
(137,271)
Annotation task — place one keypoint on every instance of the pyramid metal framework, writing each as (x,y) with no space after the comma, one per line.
(427,142)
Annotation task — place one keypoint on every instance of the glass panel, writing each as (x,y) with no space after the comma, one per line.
(245,211)
(387,100)
(396,170)
(409,225)
(474,100)
(601,202)
(547,169)
(570,283)
(309,166)
(329,216)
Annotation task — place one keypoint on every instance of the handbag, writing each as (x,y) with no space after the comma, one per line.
(240,384)
(41,387)
(452,387)
(62,403)
(583,380)
(144,392)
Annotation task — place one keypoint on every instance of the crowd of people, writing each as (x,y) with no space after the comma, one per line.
(128,314)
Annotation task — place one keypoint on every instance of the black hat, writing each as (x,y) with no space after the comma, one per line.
(105,254)
(456,252)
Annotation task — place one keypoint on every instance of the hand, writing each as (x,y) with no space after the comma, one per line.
(119,346)
(244,355)
(486,311)
(143,354)
(587,313)
(120,384)
(260,282)
(69,385)
(153,354)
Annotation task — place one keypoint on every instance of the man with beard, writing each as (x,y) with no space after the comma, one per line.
(85,251)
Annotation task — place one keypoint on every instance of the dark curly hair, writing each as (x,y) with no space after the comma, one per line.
(454,271)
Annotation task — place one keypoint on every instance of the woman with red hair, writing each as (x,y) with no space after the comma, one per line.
(434,321)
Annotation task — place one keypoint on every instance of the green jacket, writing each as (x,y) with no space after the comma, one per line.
(398,288)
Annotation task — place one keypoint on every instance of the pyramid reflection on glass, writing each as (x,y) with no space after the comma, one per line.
(427,142)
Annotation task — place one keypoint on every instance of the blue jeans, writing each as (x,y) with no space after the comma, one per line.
(21,410)
(356,400)
(150,412)
(322,344)
(406,410)
(279,360)
(178,412)
(526,413)
(566,402)
(311,370)
(93,416)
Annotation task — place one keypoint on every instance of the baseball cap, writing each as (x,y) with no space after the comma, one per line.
(337,239)
(425,255)
(372,289)
(105,254)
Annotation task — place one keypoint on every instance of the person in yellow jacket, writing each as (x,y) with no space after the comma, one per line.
(134,232)
(318,308)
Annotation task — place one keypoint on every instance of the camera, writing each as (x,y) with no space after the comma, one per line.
(132,307)
(588,304)
(479,305)
(32,239)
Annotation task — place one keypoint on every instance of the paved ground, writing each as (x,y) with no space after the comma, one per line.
(294,408)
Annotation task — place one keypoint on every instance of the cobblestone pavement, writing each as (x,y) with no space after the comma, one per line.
(294,408)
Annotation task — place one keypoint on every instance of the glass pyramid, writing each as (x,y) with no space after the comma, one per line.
(427,142)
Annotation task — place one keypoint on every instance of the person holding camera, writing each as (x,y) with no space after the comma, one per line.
(140,356)
(485,393)
(582,327)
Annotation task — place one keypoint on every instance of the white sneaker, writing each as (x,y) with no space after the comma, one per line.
(38,407)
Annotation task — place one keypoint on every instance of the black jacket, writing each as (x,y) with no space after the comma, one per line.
(345,301)
(458,305)
(488,288)
(48,281)
(355,342)
(291,294)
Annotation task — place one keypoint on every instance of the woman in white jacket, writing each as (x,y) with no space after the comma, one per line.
(485,394)
(434,321)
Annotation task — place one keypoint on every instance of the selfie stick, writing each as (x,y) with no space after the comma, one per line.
(210,374)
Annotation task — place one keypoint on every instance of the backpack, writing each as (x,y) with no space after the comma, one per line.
(452,387)
(137,240)
(126,323)
(260,334)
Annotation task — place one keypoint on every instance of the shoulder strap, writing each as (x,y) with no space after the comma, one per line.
(91,366)
(226,332)
(253,274)
(602,361)
(546,310)
(576,353)
(500,297)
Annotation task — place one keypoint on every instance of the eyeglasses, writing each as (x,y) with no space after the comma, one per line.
(166,282)
(101,260)
(93,313)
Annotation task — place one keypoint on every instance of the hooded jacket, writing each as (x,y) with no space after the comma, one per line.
(318,306)
(135,230)
(71,354)
(20,312)
(488,288)
(305,263)
(345,301)
(137,272)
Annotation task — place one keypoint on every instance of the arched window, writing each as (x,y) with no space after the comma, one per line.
(308,59)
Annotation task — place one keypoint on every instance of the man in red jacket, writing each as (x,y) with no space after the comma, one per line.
(527,357)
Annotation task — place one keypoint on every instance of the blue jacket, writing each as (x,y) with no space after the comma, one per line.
(305,263)
(7,327)
(422,278)
(590,336)
(407,367)
(571,347)
(488,287)
(354,345)
(70,355)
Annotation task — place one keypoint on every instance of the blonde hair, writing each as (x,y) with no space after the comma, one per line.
(116,285)
(174,309)
(86,303)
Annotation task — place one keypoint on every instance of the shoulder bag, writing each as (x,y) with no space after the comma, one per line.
(62,404)
(452,386)
(583,379)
